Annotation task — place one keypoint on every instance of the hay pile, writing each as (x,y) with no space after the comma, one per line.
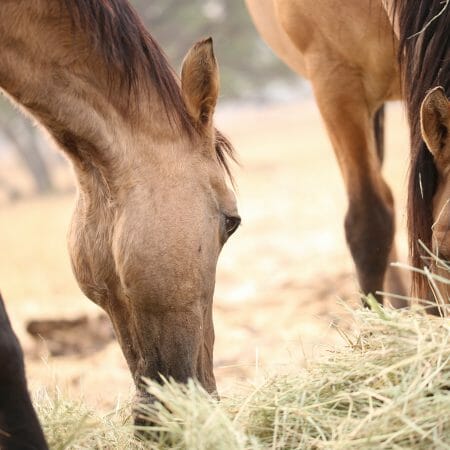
(388,388)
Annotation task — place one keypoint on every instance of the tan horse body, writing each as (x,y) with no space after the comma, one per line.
(348,52)
(153,209)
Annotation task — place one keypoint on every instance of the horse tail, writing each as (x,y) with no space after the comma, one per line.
(378,127)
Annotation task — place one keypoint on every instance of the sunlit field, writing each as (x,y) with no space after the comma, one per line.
(281,279)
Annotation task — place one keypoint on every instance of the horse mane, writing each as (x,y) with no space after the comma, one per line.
(224,152)
(424,57)
(118,34)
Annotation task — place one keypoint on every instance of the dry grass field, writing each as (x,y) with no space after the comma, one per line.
(280,280)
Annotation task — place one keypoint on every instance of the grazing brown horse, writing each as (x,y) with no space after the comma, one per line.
(153,208)
(348,50)
(19,425)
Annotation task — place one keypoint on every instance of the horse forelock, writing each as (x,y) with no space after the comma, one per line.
(225,152)
(118,34)
(424,57)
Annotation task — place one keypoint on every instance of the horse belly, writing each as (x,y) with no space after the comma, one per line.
(353,36)
(315,36)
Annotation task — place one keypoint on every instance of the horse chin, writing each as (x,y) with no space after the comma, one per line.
(142,412)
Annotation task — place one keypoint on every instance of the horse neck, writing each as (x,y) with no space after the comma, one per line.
(53,73)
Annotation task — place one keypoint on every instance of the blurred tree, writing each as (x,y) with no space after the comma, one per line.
(26,141)
(246,63)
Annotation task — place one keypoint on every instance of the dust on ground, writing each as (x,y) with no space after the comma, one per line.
(280,280)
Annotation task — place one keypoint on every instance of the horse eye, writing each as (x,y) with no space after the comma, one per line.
(232,224)
(443,257)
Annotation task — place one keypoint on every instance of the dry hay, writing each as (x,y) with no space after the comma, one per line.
(388,388)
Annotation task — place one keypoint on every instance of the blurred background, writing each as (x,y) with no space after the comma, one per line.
(282,281)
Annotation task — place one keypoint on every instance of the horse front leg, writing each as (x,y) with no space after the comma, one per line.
(369,225)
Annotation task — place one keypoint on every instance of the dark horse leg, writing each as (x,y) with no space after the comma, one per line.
(369,223)
(378,127)
(19,425)
(394,283)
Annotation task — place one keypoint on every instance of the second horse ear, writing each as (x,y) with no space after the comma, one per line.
(200,82)
(435,124)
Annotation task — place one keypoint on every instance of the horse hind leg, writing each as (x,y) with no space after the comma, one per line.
(394,282)
(369,222)
(378,128)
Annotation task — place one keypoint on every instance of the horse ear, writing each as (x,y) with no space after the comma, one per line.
(200,82)
(435,122)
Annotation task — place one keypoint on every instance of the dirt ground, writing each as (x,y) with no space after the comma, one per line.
(281,280)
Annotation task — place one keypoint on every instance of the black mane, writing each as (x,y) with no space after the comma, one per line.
(424,56)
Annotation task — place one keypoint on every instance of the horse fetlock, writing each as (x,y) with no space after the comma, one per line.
(369,230)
